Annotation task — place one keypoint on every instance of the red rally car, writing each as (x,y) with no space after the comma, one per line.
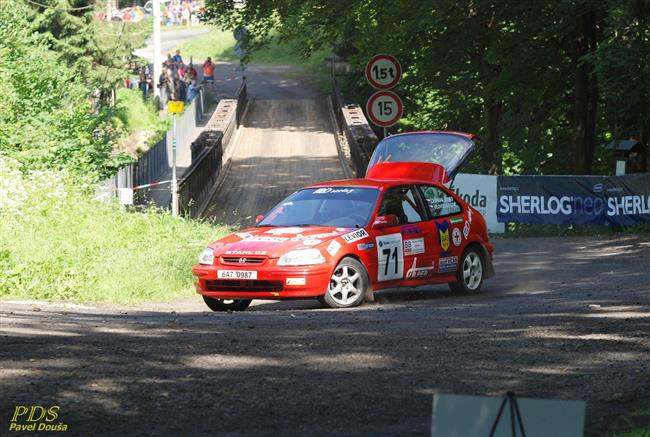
(339,241)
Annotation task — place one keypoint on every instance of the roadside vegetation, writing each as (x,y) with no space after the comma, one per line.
(58,243)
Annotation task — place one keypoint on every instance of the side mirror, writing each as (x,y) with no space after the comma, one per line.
(259,218)
(385,221)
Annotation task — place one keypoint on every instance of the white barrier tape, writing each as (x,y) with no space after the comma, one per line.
(153,184)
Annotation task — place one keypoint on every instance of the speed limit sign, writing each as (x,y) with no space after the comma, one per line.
(384,108)
(383,72)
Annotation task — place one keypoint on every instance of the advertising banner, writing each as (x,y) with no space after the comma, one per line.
(480,191)
(582,200)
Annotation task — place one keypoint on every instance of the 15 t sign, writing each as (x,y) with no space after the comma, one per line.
(383,72)
(384,108)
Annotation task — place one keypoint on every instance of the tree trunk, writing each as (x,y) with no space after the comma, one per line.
(585,94)
(491,144)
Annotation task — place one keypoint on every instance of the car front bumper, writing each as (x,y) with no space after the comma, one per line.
(273,282)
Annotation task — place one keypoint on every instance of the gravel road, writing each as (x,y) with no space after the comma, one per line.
(563,318)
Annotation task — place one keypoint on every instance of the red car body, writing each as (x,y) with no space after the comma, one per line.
(397,248)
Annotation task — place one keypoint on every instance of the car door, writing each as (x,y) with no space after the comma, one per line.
(446,226)
(401,248)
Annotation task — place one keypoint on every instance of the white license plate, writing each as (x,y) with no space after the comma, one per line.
(237,274)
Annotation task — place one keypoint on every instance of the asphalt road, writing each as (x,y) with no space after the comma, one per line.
(563,318)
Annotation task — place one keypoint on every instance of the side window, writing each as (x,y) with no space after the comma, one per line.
(440,203)
(401,202)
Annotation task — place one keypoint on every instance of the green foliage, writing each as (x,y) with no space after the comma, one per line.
(134,114)
(544,84)
(56,242)
(45,118)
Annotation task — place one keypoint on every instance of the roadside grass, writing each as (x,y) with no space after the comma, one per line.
(58,243)
(137,115)
(635,423)
(218,44)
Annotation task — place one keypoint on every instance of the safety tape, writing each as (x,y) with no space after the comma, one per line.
(153,184)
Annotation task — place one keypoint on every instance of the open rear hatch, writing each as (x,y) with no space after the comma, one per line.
(434,156)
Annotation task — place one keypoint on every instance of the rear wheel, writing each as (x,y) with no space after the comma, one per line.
(348,285)
(469,276)
(226,305)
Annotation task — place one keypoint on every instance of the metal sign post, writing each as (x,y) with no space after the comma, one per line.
(174,108)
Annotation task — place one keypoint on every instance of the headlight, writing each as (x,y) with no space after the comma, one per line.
(302,257)
(207,257)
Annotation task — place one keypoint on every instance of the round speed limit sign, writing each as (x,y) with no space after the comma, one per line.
(384,108)
(383,72)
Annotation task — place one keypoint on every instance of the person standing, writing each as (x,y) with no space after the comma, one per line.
(142,83)
(208,72)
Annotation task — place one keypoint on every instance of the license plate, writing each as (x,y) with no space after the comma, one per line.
(237,274)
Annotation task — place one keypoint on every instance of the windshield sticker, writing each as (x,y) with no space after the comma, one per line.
(448,264)
(280,231)
(311,242)
(263,239)
(413,246)
(355,236)
(287,204)
(456,237)
(411,231)
(334,191)
(365,246)
(246,252)
(416,272)
(333,247)
(391,257)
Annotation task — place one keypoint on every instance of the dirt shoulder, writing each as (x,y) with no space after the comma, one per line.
(564,318)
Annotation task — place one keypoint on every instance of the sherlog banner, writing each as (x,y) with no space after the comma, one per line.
(584,200)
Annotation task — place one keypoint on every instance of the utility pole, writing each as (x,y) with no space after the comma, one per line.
(157,56)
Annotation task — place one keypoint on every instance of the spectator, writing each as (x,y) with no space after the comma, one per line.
(193,90)
(208,72)
(177,59)
(142,83)
(191,71)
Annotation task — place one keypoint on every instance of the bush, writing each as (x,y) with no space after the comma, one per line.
(57,242)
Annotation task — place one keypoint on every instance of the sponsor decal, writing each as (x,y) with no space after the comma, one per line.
(334,191)
(355,236)
(280,231)
(390,254)
(413,246)
(456,220)
(443,234)
(365,246)
(333,247)
(287,204)
(300,237)
(245,252)
(245,235)
(411,231)
(311,242)
(416,272)
(296,281)
(456,237)
(466,229)
(447,264)
(263,239)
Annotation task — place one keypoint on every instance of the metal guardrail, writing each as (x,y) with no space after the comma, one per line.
(359,135)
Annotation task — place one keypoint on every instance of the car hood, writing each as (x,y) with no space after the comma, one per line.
(276,241)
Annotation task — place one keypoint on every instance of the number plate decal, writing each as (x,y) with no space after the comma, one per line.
(237,274)
(390,254)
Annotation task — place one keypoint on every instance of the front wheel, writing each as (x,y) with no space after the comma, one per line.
(469,276)
(348,285)
(226,305)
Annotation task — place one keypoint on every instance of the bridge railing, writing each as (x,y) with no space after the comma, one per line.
(353,125)
(208,153)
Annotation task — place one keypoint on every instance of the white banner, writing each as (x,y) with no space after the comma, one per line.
(480,191)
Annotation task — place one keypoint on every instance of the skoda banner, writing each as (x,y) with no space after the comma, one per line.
(583,200)
(480,191)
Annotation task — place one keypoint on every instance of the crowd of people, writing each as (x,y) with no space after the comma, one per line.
(182,13)
(178,81)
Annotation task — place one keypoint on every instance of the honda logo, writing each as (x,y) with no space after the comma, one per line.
(242,260)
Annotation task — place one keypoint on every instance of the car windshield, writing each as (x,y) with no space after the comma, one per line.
(447,149)
(348,207)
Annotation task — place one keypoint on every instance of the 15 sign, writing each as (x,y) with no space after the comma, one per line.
(383,72)
(384,108)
